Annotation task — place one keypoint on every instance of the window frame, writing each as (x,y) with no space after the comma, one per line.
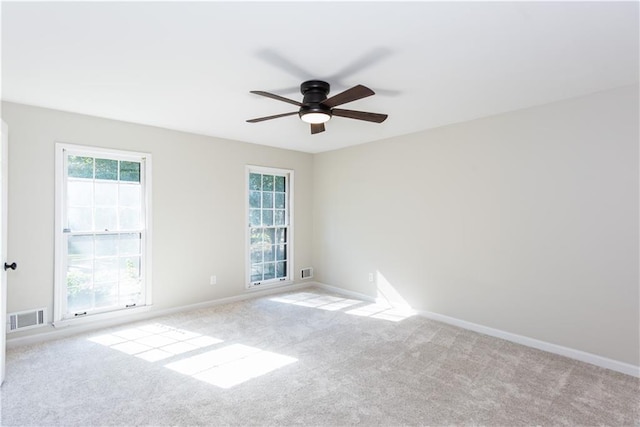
(289,279)
(62,150)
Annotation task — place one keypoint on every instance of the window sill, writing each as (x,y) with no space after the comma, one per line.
(269,285)
(100,317)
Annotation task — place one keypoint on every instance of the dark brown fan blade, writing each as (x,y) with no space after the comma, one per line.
(317,128)
(278,97)
(359,115)
(262,119)
(353,94)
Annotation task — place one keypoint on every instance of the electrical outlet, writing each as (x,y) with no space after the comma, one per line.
(213,280)
(371,277)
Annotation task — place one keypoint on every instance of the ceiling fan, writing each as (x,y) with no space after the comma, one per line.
(316,109)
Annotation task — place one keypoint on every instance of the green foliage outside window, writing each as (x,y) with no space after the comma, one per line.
(107,169)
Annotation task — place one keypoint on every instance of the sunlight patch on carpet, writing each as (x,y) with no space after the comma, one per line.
(224,367)
(380,310)
(155,341)
(323,302)
(231,365)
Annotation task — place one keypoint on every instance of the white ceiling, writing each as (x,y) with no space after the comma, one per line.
(190,66)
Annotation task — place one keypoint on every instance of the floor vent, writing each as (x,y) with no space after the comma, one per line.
(26,319)
(306,273)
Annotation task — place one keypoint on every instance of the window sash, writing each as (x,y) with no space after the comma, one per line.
(102,268)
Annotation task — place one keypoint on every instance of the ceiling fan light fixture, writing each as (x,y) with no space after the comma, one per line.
(315,117)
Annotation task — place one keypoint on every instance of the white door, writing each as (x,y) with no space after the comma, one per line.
(3,245)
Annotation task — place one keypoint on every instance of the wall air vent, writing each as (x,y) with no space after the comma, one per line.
(306,273)
(26,319)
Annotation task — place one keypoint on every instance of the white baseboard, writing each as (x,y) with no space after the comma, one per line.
(74,329)
(593,359)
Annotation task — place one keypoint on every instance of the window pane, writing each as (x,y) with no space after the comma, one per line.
(269,235)
(105,295)
(281,235)
(130,273)
(105,270)
(269,253)
(254,199)
(80,246)
(106,219)
(106,245)
(80,273)
(130,171)
(281,269)
(130,195)
(79,288)
(131,295)
(267,182)
(267,200)
(256,236)
(279,183)
(269,271)
(280,200)
(106,169)
(79,193)
(106,194)
(130,218)
(130,281)
(280,218)
(254,218)
(267,218)
(256,253)
(256,272)
(80,219)
(281,252)
(80,167)
(255,181)
(129,244)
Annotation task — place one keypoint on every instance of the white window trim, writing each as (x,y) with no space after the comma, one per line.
(247,239)
(60,262)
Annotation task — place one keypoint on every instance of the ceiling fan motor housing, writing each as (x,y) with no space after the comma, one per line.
(315,86)
(315,92)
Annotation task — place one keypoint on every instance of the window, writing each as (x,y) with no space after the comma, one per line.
(102,231)
(270,226)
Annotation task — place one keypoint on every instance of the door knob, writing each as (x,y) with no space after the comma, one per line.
(12,266)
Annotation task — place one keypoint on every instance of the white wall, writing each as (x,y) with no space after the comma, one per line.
(198,204)
(525,222)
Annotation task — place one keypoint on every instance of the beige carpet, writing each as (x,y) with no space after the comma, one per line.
(309,358)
